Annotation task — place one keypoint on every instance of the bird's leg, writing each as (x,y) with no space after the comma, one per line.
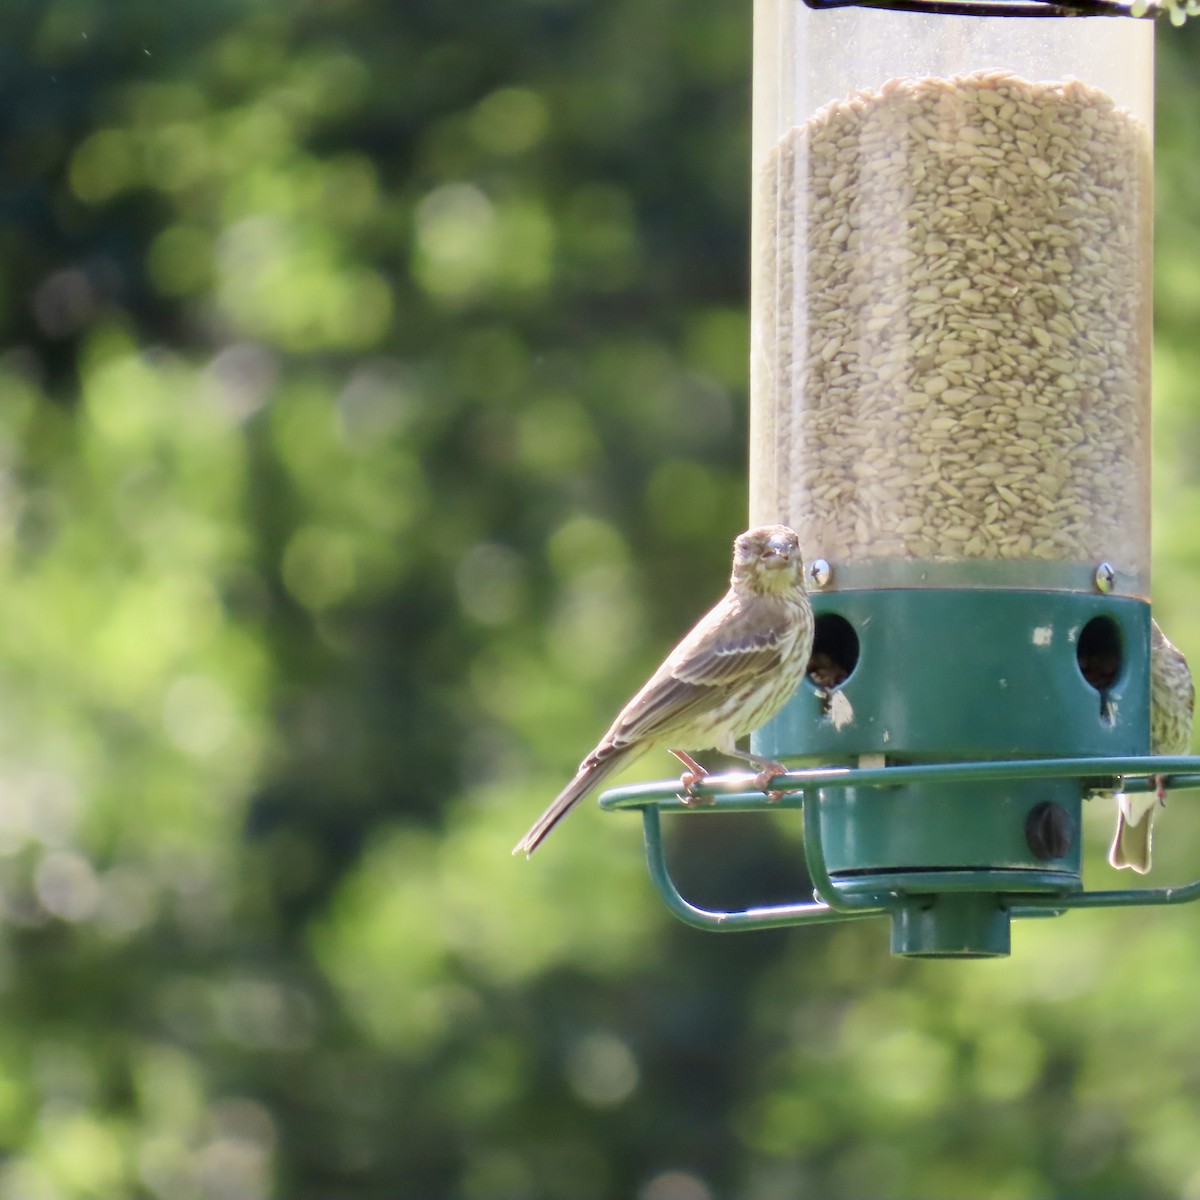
(691,776)
(768,768)
(1160,789)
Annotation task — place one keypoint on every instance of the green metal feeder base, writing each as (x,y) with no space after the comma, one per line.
(949,851)
(972,925)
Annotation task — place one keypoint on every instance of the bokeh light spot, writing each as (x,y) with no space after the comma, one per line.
(510,120)
(103,165)
(601,1070)
(676,1185)
(197,715)
(318,567)
(491,583)
(556,438)
(582,543)
(66,885)
(455,248)
(180,259)
(240,378)
(64,303)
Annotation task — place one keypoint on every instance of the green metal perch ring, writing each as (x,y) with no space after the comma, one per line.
(979,895)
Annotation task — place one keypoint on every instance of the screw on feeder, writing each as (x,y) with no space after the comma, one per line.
(819,573)
(1106,577)
(1049,830)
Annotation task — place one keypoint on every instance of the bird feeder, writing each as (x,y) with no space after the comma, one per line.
(950,403)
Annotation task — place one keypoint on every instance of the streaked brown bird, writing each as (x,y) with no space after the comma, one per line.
(1172,704)
(733,672)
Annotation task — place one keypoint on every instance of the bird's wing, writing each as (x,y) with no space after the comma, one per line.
(731,645)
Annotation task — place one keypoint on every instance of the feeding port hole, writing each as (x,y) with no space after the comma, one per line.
(834,653)
(1099,656)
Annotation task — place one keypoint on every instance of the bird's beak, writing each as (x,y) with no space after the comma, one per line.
(777,554)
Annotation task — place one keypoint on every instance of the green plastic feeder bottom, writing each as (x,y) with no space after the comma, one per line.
(970,925)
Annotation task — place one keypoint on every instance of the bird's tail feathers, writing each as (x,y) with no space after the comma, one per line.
(1135,821)
(593,771)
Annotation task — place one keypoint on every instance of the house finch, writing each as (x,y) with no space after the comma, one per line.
(734,671)
(1172,701)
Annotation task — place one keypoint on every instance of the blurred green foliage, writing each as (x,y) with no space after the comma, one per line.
(372,406)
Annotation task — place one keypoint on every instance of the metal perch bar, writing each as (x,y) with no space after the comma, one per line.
(727,794)
(767,917)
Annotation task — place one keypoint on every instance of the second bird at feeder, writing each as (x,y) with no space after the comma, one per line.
(1172,704)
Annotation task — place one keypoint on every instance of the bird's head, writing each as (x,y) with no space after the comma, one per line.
(768,559)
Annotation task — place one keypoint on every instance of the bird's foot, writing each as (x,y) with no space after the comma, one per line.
(688,780)
(764,777)
(1160,789)
(688,797)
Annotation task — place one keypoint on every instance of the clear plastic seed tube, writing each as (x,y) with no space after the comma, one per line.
(951,312)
